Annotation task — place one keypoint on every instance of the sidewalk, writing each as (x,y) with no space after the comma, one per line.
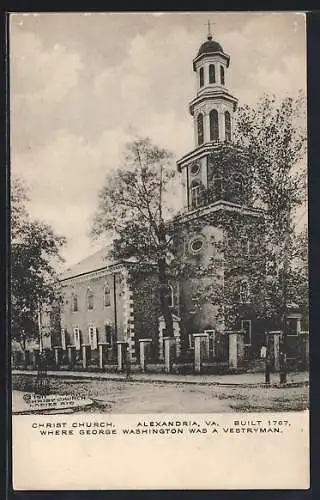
(243,380)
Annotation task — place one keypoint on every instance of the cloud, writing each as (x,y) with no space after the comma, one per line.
(40,76)
(64,177)
(81,85)
(40,81)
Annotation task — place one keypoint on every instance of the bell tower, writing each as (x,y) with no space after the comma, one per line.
(219,231)
(209,172)
(213,107)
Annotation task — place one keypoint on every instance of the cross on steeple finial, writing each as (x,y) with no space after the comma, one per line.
(209,30)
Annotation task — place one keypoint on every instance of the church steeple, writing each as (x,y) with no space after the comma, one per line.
(210,176)
(213,106)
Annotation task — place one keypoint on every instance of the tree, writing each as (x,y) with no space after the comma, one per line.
(275,139)
(35,251)
(270,142)
(133,206)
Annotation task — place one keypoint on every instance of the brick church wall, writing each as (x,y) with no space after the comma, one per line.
(100,314)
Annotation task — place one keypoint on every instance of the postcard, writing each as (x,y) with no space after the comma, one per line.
(159,251)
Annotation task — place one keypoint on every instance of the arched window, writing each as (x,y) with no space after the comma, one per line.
(77,338)
(212,73)
(200,129)
(74,302)
(106,296)
(170,296)
(90,299)
(195,194)
(201,77)
(222,75)
(244,291)
(214,125)
(108,334)
(227,126)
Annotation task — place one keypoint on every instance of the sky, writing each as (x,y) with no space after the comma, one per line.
(84,84)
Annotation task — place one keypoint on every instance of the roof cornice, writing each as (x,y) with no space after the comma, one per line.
(210,54)
(209,93)
(218,206)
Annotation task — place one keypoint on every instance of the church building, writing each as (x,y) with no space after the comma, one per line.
(219,239)
(219,226)
(102,306)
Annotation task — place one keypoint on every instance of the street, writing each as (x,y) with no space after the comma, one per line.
(110,396)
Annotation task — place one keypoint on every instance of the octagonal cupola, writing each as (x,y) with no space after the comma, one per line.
(214,106)
(211,64)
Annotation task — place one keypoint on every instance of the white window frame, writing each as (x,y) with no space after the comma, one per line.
(214,74)
(63,339)
(76,336)
(171,295)
(92,333)
(106,287)
(191,341)
(296,331)
(107,325)
(250,329)
(90,294)
(225,119)
(195,195)
(74,296)
(222,75)
(201,77)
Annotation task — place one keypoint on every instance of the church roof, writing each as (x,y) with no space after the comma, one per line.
(93,262)
(210,46)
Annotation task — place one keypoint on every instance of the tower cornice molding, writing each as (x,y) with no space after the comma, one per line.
(210,55)
(204,150)
(209,94)
(218,206)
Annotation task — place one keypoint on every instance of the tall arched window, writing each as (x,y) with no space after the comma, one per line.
(222,75)
(227,126)
(195,194)
(90,299)
(212,73)
(170,296)
(201,77)
(214,125)
(200,129)
(108,334)
(74,302)
(106,296)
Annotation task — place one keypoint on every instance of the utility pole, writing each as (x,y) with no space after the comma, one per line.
(40,329)
(283,343)
(164,288)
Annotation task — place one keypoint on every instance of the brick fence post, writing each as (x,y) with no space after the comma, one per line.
(236,348)
(143,343)
(169,342)
(121,346)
